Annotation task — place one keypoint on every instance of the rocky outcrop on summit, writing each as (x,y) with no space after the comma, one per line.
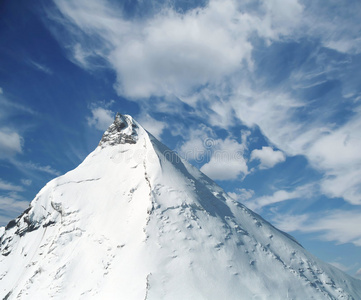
(123,130)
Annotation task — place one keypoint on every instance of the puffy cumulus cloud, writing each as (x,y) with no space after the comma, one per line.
(10,143)
(222,159)
(101,118)
(199,46)
(198,144)
(227,160)
(171,52)
(338,225)
(175,53)
(268,157)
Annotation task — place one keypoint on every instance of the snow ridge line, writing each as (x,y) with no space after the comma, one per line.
(146,176)
(80,181)
(147,286)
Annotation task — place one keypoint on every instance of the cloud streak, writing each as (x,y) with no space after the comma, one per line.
(40,67)
(338,225)
(6,186)
(302,191)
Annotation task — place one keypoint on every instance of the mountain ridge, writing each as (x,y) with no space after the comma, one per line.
(139,222)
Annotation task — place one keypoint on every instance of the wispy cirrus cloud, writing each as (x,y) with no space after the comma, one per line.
(337,225)
(12,144)
(7,186)
(29,166)
(301,191)
(40,67)
(9,107)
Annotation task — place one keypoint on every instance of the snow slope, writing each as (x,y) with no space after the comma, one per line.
(134,221)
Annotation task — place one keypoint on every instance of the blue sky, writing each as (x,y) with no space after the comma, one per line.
(262,96)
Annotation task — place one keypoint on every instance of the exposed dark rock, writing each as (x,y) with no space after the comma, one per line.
(122,131)
(11,224)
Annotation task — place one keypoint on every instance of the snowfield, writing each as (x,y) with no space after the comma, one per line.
(135,221)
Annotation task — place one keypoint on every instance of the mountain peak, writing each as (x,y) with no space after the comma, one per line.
(124,130)
(138,222)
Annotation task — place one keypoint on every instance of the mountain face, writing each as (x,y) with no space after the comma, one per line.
(135,221)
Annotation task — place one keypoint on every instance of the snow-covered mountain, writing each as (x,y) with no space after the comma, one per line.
(135,221)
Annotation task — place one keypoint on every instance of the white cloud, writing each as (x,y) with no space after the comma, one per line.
(331,149)
(221,159)
(198,144)
(204,56)
(338,154)
(10,143)
(6,186)
(169,52)
(155,127)
(101,118)
(340,226)
(358,273)
(241,194)
(268,157)
(227,161)
(304,191)
(202,46)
